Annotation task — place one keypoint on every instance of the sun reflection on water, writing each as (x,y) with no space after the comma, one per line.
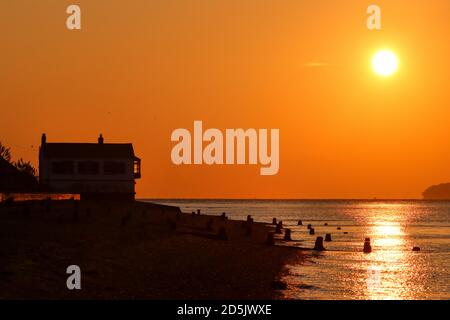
(388,236)
(390,269)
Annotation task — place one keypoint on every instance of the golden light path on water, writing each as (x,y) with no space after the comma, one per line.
(380,286)
(390,267)
(392,271)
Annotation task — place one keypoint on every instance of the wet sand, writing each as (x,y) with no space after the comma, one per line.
(133,250)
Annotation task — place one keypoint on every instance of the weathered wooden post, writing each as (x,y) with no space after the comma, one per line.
(328,237)
(367,246)
(278,229)
(319,244)
(287,235)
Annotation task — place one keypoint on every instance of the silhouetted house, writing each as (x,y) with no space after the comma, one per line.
(89,169)
(15,181)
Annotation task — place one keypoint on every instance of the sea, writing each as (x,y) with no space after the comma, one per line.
(392,271)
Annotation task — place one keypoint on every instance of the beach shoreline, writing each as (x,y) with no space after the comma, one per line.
(134,250)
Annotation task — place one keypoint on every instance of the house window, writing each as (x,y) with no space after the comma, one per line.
(88,167)
(137,168)
(63,167)
(114,167)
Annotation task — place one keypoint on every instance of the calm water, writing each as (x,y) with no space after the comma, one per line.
(391,271)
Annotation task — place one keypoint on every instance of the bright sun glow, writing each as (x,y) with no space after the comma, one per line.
(385,63)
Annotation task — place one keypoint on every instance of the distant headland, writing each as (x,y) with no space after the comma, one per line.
(437,192)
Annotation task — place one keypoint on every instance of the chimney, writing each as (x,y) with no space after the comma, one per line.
(100,139)
(43,139)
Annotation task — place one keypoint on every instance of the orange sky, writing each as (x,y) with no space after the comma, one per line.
(139,69)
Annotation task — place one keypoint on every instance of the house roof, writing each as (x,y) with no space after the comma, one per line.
(88,150)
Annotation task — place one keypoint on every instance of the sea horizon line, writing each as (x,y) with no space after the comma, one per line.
(290,199)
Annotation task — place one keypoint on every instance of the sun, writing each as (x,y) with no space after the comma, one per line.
(385,63)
